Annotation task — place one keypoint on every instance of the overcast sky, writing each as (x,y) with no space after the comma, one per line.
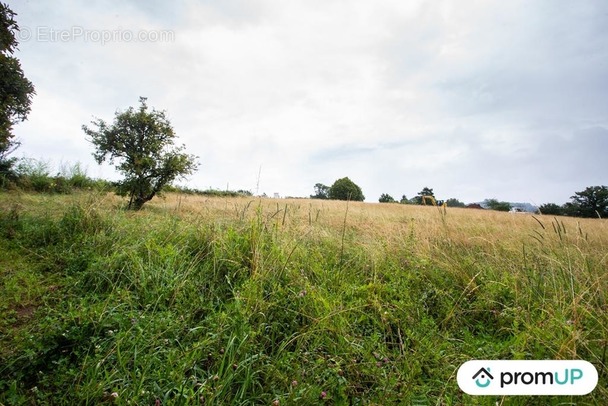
(475,99)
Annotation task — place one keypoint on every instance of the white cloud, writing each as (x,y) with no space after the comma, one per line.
(458,96)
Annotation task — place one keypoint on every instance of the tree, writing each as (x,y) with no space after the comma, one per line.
(345,189)
(141,144)
(386,198)
(452,202)
(494,204)
(592,202)
(419,199)
(16,91)
(321,192)
(551,208)
(404,200)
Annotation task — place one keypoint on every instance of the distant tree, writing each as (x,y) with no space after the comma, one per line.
(551,208)
(386,198)
(424,192)
(592,202)
(404,200)
(571,209)
(16,91)
(452,202)
(346,189)
(494,204)
(321,192)
(142,144)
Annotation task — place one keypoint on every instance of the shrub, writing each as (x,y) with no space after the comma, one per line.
(345,189)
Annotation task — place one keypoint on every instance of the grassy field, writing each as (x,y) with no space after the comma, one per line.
(219,301)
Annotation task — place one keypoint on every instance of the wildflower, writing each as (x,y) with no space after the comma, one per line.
(323,395)
(276,402)
(294,383)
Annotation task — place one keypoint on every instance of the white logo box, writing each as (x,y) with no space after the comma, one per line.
(527,377)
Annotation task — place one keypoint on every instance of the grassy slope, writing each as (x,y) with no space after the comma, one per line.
(248,301)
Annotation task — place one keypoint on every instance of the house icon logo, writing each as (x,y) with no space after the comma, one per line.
(485,376)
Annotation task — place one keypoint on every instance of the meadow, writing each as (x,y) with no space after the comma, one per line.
(209,300)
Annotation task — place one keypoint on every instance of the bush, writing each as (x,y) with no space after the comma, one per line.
(551,208)
(386,198)
(494,204)
(345,189)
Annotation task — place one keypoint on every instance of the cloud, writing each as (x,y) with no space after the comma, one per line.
(475,99)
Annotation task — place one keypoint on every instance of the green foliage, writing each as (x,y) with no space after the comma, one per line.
(404,200)
(345,189)
(591,202)
(422,194)
(452,202)
(207,192)
(386,198)
(141,143)
(321,191)
(16,91)
(494,204)
(35,175)
(551,209)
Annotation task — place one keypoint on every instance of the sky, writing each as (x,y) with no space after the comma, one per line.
(475,99)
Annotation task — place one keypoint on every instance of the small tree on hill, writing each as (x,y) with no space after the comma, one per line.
(592,202)
(494,204)
(551,208)
(346,189)
(321,192)
(422,194)
(386,198)
(452,202)
(141,143)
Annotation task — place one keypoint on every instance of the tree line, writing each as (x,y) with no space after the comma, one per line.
(591,202)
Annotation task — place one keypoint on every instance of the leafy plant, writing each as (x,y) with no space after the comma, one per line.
(345,189)
(386,198)
(142,145)
(16,91)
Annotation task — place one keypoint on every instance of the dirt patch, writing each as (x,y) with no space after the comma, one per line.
(24,313)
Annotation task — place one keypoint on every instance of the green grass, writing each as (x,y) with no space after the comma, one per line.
(245,301)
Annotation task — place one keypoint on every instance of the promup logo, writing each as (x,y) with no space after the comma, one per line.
(527,377)
(485,376)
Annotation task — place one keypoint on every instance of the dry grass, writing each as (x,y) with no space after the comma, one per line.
(381,221)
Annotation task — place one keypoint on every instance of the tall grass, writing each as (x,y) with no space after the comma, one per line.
(258,301)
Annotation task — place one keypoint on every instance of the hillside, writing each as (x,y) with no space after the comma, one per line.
(210,300)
